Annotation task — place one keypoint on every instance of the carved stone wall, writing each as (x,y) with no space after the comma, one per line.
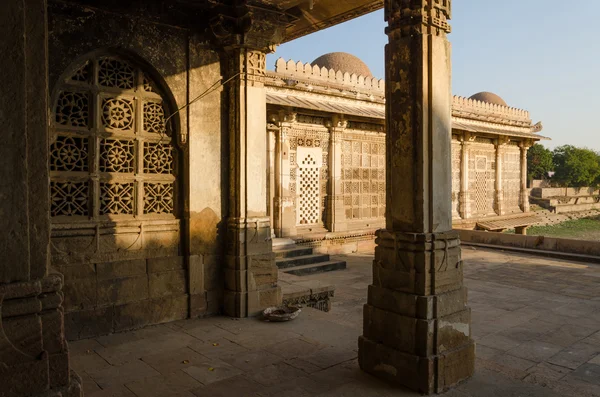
(482,165)
(456,159)
(363,175)
(113,199)
(511,177)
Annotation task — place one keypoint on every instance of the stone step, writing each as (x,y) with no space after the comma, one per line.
(292,252)
(315,268)
(301,260)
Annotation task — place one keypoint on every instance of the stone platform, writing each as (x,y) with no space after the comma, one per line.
(536,322)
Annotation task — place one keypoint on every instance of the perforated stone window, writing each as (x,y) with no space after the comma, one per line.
(110,153)
(309,203)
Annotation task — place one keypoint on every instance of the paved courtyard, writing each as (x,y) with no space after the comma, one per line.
(536,322)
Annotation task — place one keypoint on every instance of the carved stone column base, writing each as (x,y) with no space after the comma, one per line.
(34,357)
(416,321)
(525,201)
(250,272)
(500,209)
(464,205)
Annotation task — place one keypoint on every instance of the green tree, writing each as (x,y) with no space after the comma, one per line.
(576,167)
(539,162)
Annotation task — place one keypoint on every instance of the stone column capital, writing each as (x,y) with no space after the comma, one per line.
(407,18)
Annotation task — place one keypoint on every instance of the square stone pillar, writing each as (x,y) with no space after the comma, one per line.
(417,327)
(285,215)
(336,215)
(524,146)
(34,357)
(500,145)
(464,197)
(250,273)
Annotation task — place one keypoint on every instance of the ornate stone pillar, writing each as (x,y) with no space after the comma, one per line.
(34,357)
(417,327)
(524,146)
(246,34)
(464,198)
(285,217)
(336,216)
(500,145)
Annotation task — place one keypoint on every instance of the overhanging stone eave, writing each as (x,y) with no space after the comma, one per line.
(327,13)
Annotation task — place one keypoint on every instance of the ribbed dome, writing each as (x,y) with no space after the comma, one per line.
(489,97)
(343,62)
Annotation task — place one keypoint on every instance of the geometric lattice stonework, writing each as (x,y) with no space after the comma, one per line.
(158,198)
(69,198)
(115,73)
(117,198)
(109,154)
(72,109)
(158,158)
(117,113)
(117,155)
(154,117)
(308,191)
(69,153)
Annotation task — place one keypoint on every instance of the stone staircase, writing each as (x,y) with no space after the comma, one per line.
(301,261)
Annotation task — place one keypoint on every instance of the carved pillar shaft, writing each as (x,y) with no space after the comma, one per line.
(336,216)
(417,327)
(34,357)
(250,274)
(464,196)
(500,210)
(524,192)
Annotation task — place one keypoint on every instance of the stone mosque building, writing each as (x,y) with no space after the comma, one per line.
(327,154)
(149,157)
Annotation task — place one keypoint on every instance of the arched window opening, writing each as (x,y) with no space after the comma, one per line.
(110,154)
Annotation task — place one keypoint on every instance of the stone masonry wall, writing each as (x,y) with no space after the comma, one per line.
(124,274)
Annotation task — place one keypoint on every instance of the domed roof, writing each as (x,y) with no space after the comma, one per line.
(489,97)
(343,62)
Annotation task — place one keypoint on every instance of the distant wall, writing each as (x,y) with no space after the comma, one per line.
(532,242)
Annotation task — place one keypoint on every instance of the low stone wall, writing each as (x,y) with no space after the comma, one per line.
(550,192)
(563,245)
(339,243)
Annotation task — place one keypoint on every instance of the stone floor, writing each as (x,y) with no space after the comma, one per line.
(536,322)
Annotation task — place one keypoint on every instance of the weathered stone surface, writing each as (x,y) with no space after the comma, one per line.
(112,270)
(88,323)
(150,311)
(122,290)
(167,283)
(156,265)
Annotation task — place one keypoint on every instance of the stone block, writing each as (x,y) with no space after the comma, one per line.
(58,365)
(391,329)
(51,300)
(453,331)
(80,294)
(393,301)
(30,378)
(21,307)
(213,272)
(121,290)
(150,311)
(167,283)
(235,280)
(455,366)
(164,264)
(88,323)
(196,274)
(53,331)
(87,270)
(25,333)
(198,305)
(119,269)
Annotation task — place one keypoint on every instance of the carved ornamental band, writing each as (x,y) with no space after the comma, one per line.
(413,17)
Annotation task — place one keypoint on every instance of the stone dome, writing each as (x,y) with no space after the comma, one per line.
(343,62)
(489,97)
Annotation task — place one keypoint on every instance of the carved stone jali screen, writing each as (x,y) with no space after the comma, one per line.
(482,165)
(110,154)
(363,175)
(309,151)
(456,166)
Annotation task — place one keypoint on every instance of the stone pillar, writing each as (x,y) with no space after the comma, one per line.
(464,197)
(285,216)
(500,210)
(34,357)
(417,327)
(336,215)
(524,146)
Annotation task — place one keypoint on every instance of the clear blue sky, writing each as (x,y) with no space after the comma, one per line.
(539,55)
